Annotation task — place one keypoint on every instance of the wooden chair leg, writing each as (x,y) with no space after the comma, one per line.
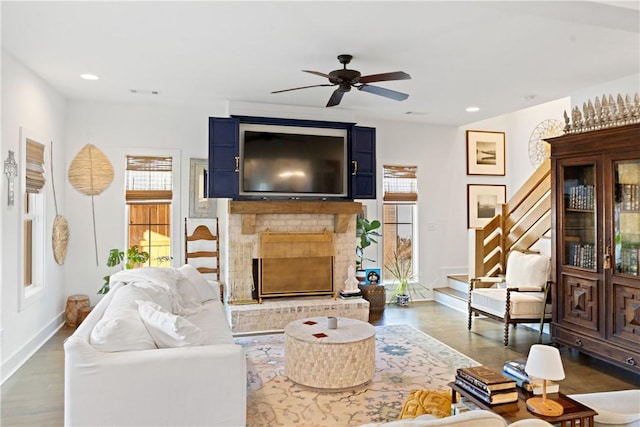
(506,333)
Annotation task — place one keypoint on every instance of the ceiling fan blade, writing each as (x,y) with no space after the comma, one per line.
(387,93)
(301,87)
(336,97)
(318,73)
(384,77)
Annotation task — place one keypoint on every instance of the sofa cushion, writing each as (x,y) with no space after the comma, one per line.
(524,305)
(167,329)
(212,319)
(202,287)
(120,328)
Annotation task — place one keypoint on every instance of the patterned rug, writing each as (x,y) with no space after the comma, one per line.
(406,359)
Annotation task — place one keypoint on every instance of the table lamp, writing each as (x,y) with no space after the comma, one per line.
(544,362)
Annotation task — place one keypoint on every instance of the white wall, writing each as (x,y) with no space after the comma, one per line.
(118,130)
(30,103)
(518,127)
(441,221)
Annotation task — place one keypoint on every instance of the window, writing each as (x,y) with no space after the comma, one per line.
(399,209)
(33,220)
(149,182)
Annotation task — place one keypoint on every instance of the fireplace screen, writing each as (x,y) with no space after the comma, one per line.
(293,264)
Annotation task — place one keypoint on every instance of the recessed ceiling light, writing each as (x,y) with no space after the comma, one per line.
(472,109)
(88,76)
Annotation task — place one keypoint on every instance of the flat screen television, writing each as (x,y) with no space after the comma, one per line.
(292,162)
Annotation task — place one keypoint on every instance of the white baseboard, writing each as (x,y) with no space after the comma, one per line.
(23,354)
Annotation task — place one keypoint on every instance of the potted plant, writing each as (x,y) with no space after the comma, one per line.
(135,257)
(366,232)
(401,268)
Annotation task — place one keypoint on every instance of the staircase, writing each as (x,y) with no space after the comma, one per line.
(455,294)
(523,223)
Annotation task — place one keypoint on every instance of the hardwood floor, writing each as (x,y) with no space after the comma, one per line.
(33,396)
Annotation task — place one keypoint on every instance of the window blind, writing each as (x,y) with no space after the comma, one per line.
(148,179)
(400,183)
(34,167)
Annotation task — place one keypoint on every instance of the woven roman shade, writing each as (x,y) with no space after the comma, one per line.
(148,179)
(400,183)
(35,167)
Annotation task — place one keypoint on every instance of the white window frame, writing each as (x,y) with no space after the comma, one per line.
(176,168)
(414,238)
(29,294)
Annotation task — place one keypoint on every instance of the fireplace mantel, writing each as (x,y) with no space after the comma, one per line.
(342,211)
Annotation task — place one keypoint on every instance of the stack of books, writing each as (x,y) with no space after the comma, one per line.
(514,369)
(351,294)
(487,385)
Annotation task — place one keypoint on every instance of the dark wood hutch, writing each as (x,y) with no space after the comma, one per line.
(596,243)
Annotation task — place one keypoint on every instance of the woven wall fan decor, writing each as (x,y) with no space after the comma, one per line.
(91,172)
(60,232)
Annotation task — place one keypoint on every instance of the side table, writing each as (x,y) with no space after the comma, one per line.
(376,296)
(75,303)
(573,411)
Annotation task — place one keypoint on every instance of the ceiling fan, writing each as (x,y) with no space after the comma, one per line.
(345,79)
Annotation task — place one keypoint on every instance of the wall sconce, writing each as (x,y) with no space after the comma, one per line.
(11,171)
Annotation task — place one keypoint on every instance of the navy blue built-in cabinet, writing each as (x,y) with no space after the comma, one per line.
(224,154)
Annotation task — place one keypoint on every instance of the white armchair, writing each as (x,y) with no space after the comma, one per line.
(523,296)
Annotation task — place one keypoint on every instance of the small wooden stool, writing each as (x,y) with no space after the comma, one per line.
(74,303)
(83,312)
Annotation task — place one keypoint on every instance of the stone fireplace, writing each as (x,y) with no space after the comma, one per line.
(293,239)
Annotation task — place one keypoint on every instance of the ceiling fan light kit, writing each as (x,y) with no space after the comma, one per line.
(345,79)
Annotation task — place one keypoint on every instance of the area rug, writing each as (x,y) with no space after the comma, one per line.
(406,359)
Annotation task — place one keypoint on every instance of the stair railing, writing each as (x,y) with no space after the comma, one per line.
(520,223)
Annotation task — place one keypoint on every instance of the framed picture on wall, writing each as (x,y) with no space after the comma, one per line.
(199,205)
(485,153)
(482,203)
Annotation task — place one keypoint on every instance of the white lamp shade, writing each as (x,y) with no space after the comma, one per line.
(544,362)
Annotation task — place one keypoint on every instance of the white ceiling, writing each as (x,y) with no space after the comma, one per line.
(499,56)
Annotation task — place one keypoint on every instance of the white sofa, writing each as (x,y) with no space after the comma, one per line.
(478,418)
(134,362)
(615,408)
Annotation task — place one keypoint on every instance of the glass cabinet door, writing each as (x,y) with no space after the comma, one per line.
(626,216)
(579,231)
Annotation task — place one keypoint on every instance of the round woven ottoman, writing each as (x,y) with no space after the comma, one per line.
(331,359)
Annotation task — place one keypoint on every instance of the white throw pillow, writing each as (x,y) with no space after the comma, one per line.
(190,296)
(158,294)
(120,328)
(165,277)
(167,329)
(121,334)
(527,270)
(205,291)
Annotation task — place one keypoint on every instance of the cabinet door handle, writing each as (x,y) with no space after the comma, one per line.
(607,258)
(355,167)
(237,164)
(578,342)
(630,361)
